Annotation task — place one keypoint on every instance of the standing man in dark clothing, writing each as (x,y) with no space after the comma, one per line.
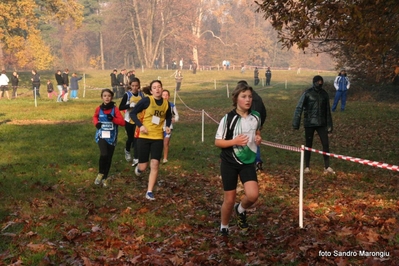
(121,84)
(315,104)
(35,83)
(114,81)
(256,76)
(268,75)
(131,75)
(195,67)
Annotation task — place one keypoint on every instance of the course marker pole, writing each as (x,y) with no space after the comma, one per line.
(174,98)
(203,124)
(84,85)
(227,88)
(34,91)
(215,83)
(301,188)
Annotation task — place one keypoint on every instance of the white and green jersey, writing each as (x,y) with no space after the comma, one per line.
(232,125)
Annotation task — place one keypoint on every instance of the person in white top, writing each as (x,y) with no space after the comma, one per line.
(4,84)
(341,84)
(181,64)
(175,118)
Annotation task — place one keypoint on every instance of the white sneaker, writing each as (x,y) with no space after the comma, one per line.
(105,183)
(149,196)
(128,157)
(98,179)
(329,170)
(136,171)
(164,160)
(135,162)
(307,170)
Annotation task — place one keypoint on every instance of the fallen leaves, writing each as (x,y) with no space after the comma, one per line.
(181,228)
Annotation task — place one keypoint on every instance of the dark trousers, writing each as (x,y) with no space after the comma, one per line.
(115,91)
(14,91)
(106,153)
(36,88)
(131,140)
(339,95)
(323,134)
(121,91)
(256,81)
(178,85)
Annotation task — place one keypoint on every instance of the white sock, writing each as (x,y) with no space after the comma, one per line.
(240,209)
(224,226)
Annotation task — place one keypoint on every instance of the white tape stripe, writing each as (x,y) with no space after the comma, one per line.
(358,160)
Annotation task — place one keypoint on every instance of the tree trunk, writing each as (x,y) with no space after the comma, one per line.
(1,57)
(101,51)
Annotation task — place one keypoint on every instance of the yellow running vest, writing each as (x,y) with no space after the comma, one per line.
(153,119)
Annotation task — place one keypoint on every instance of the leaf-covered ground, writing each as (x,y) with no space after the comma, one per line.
(120,227)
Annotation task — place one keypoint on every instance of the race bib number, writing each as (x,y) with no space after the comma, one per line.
(156,120)
(105,134)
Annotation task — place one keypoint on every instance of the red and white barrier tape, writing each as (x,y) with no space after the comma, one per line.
(357,160)
(280,146)
(297,149)
(197,111)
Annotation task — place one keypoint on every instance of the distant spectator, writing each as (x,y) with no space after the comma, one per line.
(131,76)
(195,67)
(35,83)
(156,63)
(14,84)
(341,84)
(74,86)
(60,85)
(50,90)
(256,76)
(268,75)
(121,84)
(114,81)
(178,78)
(4,84)
(242,67)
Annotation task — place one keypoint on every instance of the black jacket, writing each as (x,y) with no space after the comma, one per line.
(114,80)
(59,79)
(259,106)
(315,104)
(14,80)
(120,79)
(65,77)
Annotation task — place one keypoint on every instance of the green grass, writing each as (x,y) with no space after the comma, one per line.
(49,162)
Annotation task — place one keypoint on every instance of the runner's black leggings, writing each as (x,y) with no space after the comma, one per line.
(106,153)
(131,140)
(323,134)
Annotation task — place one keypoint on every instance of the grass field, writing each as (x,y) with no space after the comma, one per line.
(52,214)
